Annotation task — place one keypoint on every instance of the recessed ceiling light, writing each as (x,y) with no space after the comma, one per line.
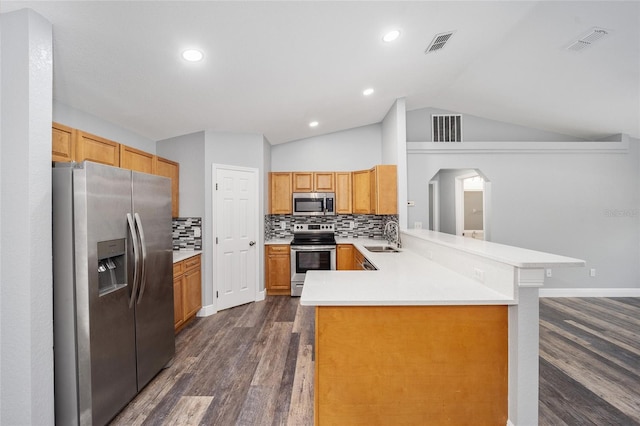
(391,36)
(368,91)
(192,55)
(313,124)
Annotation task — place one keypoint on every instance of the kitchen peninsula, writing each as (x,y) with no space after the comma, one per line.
(444,332)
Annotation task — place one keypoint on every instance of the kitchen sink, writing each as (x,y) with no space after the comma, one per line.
(382,249)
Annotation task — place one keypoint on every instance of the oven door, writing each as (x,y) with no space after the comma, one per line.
(310,258)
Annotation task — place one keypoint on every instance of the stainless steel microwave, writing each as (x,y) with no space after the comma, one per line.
(314,203)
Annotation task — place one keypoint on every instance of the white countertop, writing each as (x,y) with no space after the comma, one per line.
(279,241)
(408,278)
(514,256)
(403,278)
(180,255)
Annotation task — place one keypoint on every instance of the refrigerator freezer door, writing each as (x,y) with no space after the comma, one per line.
(154,305)
(106,333)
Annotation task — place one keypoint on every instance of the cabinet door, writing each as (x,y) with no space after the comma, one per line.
(94,148)
(345,260)
(278,270)
(343,193)
(361,192)
(358,260)
(280,197)
(62,143)
(171,169)
(137,160)
(178,311)
(192,292)
(385,200)
(324,182)
(302,182)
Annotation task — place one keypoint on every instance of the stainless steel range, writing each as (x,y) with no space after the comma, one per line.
(313,249)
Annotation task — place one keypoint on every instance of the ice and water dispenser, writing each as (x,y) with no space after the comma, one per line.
(112,267)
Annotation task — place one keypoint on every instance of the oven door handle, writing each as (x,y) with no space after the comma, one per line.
(312,248)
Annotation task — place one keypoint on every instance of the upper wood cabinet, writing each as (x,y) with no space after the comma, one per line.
(280,193)
(343,191)
(94,148)
(137,160)
(361,192)
(313,182)
(375,191)
(384,189)
(170,169)
(63,141)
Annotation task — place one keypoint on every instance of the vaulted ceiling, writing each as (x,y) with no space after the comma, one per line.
(273,67)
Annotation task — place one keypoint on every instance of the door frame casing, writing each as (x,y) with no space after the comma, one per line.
(259,295)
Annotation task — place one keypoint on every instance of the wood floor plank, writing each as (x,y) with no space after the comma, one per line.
(301,409)
(284,393)
(271,366)
(188,411)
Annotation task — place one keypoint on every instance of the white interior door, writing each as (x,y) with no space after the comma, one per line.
(235,216)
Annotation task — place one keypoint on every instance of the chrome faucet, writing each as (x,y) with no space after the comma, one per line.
(390,236)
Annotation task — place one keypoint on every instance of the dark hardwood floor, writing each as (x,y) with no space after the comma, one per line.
(253,365)
(590,361)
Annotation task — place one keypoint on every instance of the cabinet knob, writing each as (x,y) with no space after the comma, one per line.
(252,243)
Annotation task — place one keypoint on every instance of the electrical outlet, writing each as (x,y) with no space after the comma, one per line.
(549,273)
(592,272)
(352,224)
(478,274)
(417,225)
(197,233)
(283,224)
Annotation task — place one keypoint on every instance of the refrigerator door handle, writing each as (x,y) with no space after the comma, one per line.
(143,245)
(136,261)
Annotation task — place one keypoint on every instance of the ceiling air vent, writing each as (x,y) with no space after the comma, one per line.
(447,128)
(438,42)
(588,39)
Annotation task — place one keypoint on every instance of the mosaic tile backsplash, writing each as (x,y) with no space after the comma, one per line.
(187,233)
(347,225)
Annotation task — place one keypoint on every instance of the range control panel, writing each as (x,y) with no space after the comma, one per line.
(314,227)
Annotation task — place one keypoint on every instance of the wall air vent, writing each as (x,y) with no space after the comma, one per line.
(587,39)
(438,42)
(447,128)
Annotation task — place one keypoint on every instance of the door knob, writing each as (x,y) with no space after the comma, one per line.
(252,243)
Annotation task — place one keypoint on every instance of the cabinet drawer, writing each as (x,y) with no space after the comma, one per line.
(281,248)
(191,263)
(178,268)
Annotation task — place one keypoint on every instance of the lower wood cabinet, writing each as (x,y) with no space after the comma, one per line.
(345,257)
(278,269)
(187,290)
(358,260)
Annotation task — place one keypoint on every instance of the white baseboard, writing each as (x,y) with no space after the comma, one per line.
(590,292)
(261,295)
(206,311)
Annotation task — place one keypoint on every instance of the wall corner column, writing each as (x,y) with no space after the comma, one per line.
(26,290)
(524,340)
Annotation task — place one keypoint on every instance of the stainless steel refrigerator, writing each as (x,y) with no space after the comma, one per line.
(113,288)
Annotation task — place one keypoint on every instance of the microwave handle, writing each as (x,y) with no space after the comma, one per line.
(328,205)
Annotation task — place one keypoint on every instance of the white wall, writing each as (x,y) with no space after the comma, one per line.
(477,129)
(188,150)
(562,203)
(86,122)
(353,149)
(394,151)
(26,297)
